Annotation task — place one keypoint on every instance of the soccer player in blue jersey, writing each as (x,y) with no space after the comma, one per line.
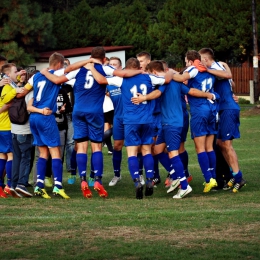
(44,128)
(137,120)
(172,123)
(118,127)
(203,118)
(88,117)
(229,116)
(144,58)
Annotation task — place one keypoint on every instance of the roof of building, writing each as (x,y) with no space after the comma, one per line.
(81,51)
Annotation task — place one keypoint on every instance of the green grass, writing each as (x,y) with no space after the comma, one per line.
(218,225)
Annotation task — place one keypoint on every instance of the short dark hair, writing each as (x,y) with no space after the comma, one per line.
(192,55)
(98,53)
(207,51)
(2,58)
(132,63)
(156,65)
(144,53)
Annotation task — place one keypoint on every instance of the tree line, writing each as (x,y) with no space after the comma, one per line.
(165,28)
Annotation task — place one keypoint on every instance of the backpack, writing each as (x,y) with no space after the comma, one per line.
(18,113)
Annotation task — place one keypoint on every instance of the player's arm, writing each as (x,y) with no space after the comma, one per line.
(5,107)
(80,64)
(168,76)
(141,98)
(9,95)
(54,78)
(32,109)
(96,75)
(181,77)
(225,74)
(126,73)
(198,93)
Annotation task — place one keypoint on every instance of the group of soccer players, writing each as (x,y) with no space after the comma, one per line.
(150,120)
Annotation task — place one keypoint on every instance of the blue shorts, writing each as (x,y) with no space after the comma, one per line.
(88,125)
(6,144)
(138,134)
(171,136)
(228,128)
(203,123)
(118,129)
(157,125)
(185,128)
(45,130)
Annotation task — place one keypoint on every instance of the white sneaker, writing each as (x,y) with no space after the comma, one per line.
(182,193)
(174,185)
(142,181)
(114,181)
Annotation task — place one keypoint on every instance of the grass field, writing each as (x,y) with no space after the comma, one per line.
(217,225)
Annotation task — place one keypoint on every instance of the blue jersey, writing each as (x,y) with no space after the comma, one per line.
(203,81)
(224,88)
(116,97)
(171,104)
(89,94)
(144,84)
(45,92)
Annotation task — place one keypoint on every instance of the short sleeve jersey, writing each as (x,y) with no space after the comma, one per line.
(144,84)
(224,89)
(203,81)
(89,94)
(171,103)
(45,92)
(116,97)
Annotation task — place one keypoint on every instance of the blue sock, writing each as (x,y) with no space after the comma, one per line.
(185,161)
(204,165)
(2,168)
(41,171)
(57,170)
(133,167)
(82,160)
(165,161)
(92,173)
(148,165)
(97,158)
(237,176)
(141,164)
(8,168)
(117,159)
(212,163)
(177,167)
(73,162)
(156,173)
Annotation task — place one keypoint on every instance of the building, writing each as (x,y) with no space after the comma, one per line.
(78,54)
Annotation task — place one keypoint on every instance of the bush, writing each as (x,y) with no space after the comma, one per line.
(243,101)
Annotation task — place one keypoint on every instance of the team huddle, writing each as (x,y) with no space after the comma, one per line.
(150,119)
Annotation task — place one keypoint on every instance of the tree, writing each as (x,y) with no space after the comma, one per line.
(128,25)
(189,24)
(24,30)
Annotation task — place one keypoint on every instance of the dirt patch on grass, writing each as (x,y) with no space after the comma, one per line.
(250,112)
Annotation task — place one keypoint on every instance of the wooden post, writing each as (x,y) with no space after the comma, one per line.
(255,46)
(251,88)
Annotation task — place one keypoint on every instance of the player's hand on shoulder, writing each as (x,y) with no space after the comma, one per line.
(44,71)
(89,66)
(92,60)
